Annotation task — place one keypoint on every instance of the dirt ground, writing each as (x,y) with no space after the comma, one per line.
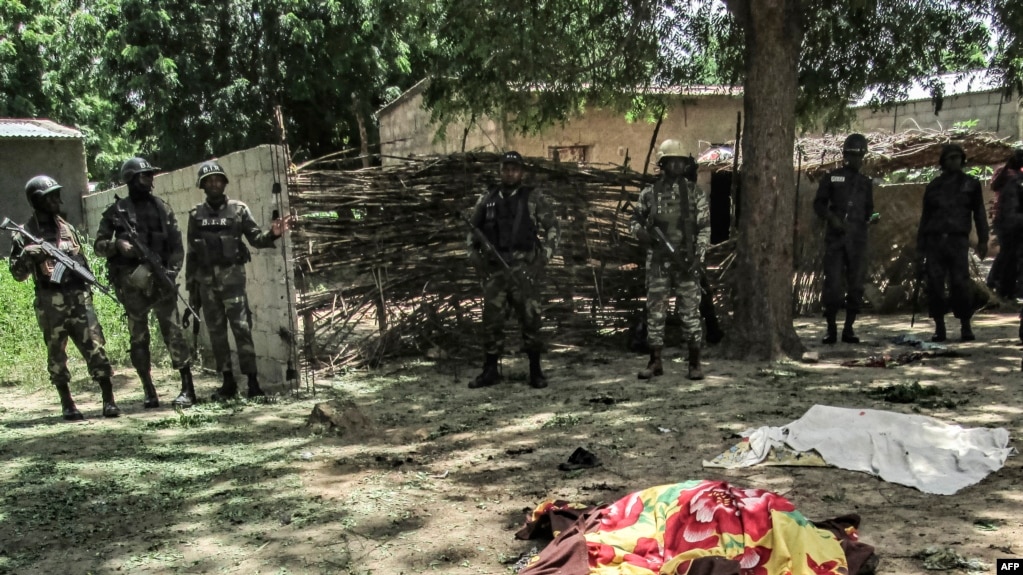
(439,479)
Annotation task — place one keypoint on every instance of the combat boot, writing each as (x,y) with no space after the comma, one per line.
(151,400)
(227,391)
(694,361)
(110,408)
(67,405)
(966,331)
(939,330)
(187,396)
(536,377)
(847,332)
(490,375)
(654,367)
(832,335)
(254,391)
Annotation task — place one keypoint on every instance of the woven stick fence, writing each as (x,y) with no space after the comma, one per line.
(382,263)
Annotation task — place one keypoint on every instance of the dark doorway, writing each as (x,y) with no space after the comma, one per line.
(720,206)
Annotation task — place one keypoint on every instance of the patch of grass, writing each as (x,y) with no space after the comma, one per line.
(22,349)
(561,420)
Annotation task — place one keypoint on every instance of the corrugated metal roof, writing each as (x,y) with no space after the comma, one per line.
(11,128)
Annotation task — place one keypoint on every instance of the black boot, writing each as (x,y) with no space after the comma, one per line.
(654,367)
(490,375)
(254,391)
(110,408)
(694,361)
(966,331)
(536,377)
(832,335)
(67,405)
(847,332)
(187,396)
(939,329)
(149,390)
(227,391)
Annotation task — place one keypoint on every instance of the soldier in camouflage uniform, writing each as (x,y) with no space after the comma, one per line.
(679,209)
(512,218)
(215,274)
(63,302)
(154,222)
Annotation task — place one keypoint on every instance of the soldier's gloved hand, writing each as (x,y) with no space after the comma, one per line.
(836,223)
(34,252)
(124,247)
(172,274)
(643,236)
(982,250)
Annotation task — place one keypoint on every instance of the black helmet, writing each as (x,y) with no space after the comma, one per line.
(210,168)
(1015,161)
(39,186)
(855,144)
(136,166)
(512,158)
(949,149)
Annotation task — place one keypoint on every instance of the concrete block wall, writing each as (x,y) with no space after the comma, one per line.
(270,286)
(406,130)
(992,112)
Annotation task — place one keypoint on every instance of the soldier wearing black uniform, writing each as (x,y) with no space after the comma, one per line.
(845,200)
(943,240)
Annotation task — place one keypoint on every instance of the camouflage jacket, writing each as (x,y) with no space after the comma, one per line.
(215,249)
(541,214)
(668,207)
(65,237)
(165,242)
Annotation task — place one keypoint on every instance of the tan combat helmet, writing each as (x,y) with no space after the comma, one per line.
(670,149)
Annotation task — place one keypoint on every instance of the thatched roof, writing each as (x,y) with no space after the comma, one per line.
(890,152)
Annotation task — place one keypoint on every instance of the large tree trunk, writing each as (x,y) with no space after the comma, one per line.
(763,305)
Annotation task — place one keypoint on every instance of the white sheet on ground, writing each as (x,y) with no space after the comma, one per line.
(914,450)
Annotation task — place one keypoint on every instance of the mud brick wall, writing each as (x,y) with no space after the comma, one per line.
(251,175)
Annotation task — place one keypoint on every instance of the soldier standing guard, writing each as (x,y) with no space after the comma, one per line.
(943,240)
(152,222)
(511,218)
(845,200)
(677,209)
(215,274)
(63,302)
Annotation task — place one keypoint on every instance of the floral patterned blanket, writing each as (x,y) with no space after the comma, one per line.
(695,527)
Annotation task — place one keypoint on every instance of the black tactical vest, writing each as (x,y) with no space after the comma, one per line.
(149,218)
(217,240)
(506,223)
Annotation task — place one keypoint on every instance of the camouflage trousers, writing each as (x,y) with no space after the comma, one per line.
(505,291)
(663,283)
(137,305)
(224,306)
(64,315)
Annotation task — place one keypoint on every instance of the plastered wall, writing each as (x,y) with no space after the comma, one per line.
(270,286)
(992,112)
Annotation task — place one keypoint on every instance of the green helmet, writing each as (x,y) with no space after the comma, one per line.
(670,149)
(210,169)
(855,144)
(39,186)
(136,166)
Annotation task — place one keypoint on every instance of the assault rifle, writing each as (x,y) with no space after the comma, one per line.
(694,266)
(65,263)
(489,247)
(150,259)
